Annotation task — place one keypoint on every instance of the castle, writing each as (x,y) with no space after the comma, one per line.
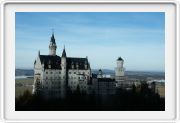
(53,74)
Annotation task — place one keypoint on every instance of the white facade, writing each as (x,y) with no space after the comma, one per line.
(53,74)
(78,78)
(119,70)
(120,73)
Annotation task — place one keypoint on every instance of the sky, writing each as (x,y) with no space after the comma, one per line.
(138,37)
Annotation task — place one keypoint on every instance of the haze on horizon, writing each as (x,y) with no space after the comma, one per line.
(138,37)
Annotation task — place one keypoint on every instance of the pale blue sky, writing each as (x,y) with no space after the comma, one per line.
(138,37)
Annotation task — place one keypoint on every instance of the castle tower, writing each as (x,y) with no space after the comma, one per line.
(120,72)
(63,74)
(52,46)
(100,74)
(37,76)
(119,69)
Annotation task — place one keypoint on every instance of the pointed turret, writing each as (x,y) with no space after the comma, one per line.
(53,39)
(52,46)
(63,74)
(39,53)
(64,52)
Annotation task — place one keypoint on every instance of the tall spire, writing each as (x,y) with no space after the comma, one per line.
(53,39)
(39,53)
(64,52)
(52,45)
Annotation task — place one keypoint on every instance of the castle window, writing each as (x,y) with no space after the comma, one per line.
(46,72)
(69,72)
(51,72)
(59,72)
(74,72)
(46,77)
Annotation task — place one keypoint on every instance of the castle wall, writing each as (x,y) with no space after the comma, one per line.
(52,82)
(119,71)
(78,77)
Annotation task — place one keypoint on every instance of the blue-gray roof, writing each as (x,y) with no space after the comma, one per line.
(120,59)
(53,39)
(55,62)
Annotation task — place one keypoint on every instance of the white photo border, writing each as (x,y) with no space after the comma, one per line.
(7,56)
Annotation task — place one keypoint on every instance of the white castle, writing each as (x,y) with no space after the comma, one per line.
(53,74)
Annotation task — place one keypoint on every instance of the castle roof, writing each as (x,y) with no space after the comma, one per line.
(80,62)
(53,39)
(120,59)
(55,62)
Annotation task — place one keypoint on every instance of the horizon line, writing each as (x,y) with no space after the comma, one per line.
(106,69)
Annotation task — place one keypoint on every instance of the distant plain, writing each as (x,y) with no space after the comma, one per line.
(22,85)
